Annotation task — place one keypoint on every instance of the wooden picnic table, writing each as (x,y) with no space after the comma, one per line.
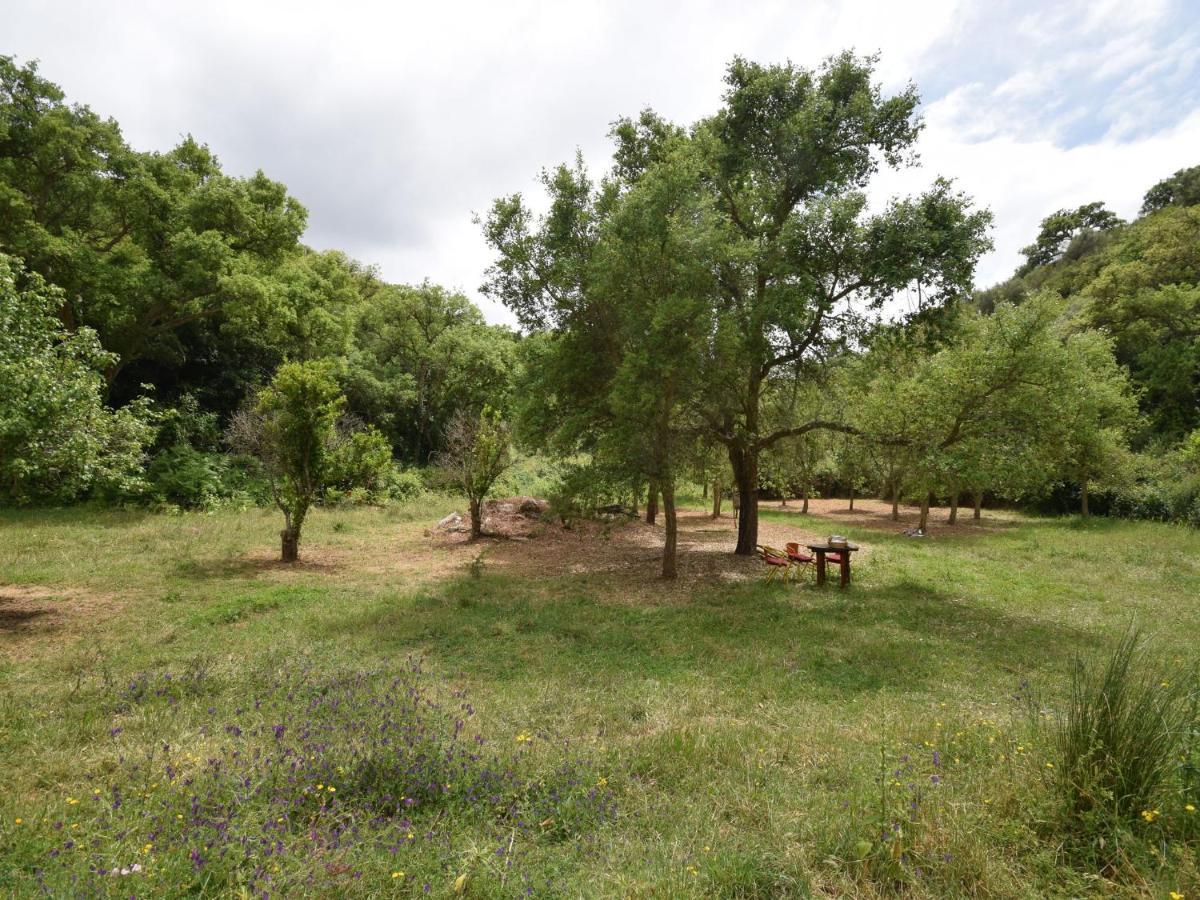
(821,549)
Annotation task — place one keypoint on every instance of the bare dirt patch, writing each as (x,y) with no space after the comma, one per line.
(31,613)
(876,515)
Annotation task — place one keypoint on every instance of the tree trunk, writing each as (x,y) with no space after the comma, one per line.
(851,498)
(954,508)
(476,520)
(669,542)
(717,492)
(289,545)
(652,504)
(1083,499)
(637,493)
(703,489)
(804,509)
(978,499)
(924,511)
(895,502)
(745,473)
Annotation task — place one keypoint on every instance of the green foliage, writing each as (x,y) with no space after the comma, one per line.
(420,355)
(768,207)
(143,244)
(1059,229)
(291,431)
(1124,732)
(58,441)
(478,450)
(361,459)
(1138,284)
(1181,189)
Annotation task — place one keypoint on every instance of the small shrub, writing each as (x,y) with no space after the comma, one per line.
(1119,745)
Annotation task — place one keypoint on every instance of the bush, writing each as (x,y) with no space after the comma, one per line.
(405,484)
(361,460)
(1126,728)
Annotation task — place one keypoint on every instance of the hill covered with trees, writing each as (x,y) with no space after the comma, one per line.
(708,310)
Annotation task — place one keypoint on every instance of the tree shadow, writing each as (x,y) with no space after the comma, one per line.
(782,641)
(16,618)
(246,567)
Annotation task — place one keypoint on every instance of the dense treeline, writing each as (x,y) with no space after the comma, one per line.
(712,309)
(163,288)
(1138,284)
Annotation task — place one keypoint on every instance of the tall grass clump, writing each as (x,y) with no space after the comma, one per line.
(1123,747)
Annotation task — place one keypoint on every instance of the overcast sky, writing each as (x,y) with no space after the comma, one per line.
(394,122)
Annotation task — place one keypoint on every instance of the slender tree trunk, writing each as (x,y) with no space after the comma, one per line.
(895,501)
(745,473)
(289,538)
(978,500)
(703,491)
(851,498)
(924,510)
(289,545)
(804,509)
(954,508)
(717,491)
(1083,499)
(652,504)
(670,538)
(476,520)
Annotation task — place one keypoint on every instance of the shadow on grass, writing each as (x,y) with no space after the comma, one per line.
(754,638)
(246,567)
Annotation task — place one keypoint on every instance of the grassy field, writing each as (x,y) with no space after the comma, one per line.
(407,714)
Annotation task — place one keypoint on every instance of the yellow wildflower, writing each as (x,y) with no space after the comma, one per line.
(1190,808)
(397,874)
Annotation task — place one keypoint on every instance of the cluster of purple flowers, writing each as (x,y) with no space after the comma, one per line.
(316,783)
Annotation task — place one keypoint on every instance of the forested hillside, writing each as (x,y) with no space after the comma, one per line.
(1137,283)
(150,297)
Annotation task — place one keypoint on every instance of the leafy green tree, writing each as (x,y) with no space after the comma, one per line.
(996,386)
(656,288)
(420,354)
(58,441)
(1181,189)
(291,430)
(143,244)
(1060,228)
(360,459)
(478,449)
(1094,413)
(788,156)
(852,463)
(782,166)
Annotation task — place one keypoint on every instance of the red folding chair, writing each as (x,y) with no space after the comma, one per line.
(777,563)
(802,562)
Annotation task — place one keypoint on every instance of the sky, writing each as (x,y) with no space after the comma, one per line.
(395,122)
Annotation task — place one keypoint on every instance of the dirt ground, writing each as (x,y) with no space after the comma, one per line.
(630,551)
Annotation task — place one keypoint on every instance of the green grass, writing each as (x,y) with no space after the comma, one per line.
(758,741)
